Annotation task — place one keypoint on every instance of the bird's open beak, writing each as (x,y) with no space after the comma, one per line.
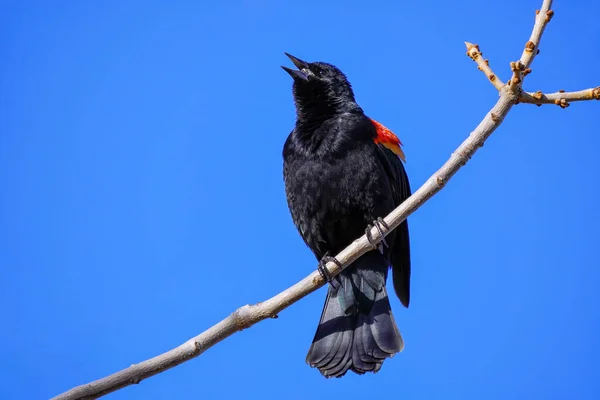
(303,71)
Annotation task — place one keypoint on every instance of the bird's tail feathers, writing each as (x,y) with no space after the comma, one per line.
(357,330)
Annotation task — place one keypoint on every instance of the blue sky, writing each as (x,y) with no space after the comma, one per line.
(142,196)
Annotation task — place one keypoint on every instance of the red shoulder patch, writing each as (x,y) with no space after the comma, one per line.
(388,139)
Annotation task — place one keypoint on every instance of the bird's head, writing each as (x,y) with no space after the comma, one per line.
(320,89)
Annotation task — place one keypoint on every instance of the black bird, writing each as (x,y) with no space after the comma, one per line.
(343,172)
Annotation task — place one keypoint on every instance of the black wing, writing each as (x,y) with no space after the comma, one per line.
(400,257)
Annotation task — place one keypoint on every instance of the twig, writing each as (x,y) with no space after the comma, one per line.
(483,64)
(560,98)
(532,47)
(248,315)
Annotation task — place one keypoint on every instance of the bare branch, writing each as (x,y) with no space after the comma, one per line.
(483,65)
(560,98)
(248,315)
(532,47)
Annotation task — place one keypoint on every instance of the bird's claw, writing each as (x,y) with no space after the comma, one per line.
(321,267)
(380,224)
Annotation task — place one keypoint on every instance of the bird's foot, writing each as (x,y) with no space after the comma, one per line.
(321,267)
(380,224)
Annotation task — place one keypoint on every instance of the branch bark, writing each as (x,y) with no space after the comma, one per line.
(532,47)
(560,98)
(483,65)
(248,315)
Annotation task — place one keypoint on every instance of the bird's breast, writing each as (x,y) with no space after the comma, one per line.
(316,185)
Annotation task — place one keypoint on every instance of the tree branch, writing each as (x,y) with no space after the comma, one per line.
(560,98)
(248,315)
(532,47)
(483,65)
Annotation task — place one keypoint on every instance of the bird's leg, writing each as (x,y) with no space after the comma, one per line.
(380,224)
(333,281)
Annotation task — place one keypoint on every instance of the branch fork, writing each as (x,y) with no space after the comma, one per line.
(521,68)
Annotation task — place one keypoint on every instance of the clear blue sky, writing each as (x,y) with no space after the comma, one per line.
(142,196)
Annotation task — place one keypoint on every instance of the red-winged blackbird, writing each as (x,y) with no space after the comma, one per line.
(342,173)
